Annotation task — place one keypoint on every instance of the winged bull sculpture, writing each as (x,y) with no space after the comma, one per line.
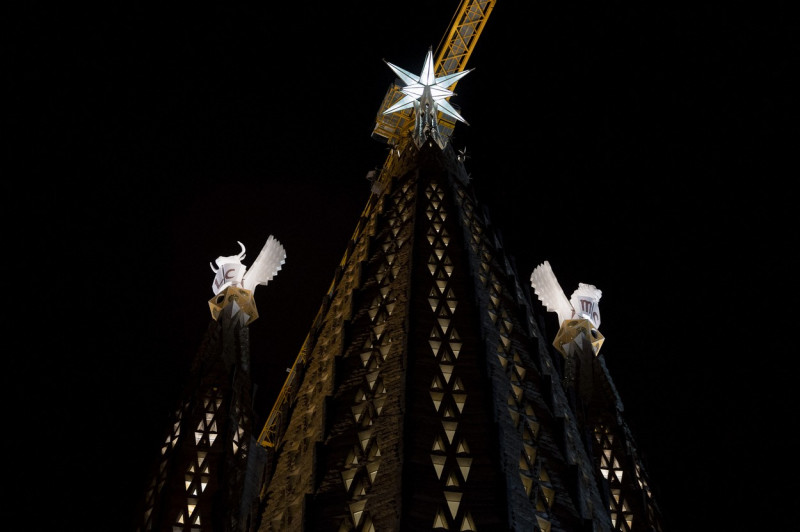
(234,283)
(578,317)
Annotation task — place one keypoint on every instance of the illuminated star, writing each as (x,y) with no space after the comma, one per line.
(426,89)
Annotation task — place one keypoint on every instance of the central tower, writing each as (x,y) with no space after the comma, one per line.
(425,396)
(427,392)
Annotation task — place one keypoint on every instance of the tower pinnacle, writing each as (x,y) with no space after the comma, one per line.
(428,95)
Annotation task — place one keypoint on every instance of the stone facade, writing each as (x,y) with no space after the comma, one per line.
(429,399)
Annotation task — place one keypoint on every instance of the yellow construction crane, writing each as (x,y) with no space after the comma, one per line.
(452,55)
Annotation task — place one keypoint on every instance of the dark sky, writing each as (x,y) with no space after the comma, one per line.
(635,148)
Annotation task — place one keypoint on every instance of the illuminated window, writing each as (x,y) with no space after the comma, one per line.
(440,521)
(453,499)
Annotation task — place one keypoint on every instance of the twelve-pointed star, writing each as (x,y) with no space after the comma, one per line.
(427,89)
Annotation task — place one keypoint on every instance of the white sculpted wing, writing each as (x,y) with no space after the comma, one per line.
(266,265)
(546,286)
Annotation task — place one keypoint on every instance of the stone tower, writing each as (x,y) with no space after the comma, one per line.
(426,396)
(210,468)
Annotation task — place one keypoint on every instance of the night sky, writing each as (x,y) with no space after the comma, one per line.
(635,148)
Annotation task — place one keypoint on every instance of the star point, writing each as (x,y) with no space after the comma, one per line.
(426,92)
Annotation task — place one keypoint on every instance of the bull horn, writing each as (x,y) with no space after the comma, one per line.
(212,267)
(241,255)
